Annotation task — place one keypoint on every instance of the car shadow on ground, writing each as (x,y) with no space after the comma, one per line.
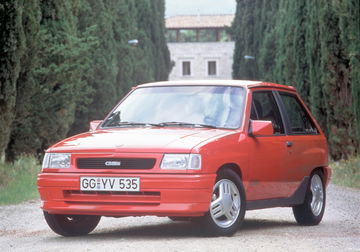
(179,229)
(255,224)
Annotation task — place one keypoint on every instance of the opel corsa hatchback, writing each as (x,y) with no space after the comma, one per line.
(204,151)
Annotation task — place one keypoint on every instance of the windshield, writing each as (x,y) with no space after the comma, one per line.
(186,106)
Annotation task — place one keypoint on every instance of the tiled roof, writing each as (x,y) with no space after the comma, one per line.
(199,21)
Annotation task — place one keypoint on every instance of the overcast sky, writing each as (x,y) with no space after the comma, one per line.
(193,7)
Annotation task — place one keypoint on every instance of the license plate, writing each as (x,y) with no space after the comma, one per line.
(118,184)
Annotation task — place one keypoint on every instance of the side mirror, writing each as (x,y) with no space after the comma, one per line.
(261,128)
(94,125)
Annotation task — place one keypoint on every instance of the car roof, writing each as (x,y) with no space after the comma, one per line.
(240,83)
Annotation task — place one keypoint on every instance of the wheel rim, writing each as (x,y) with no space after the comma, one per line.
(225,204)
(317,191)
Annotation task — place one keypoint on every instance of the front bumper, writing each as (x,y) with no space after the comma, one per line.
(161,195)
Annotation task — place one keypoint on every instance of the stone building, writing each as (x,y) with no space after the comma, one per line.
(200,46)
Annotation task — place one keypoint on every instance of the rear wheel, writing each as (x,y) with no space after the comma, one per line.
(71,225)
(227,207)
(312,210)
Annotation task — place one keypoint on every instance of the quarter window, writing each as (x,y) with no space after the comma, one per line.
(299,120)
(264,107)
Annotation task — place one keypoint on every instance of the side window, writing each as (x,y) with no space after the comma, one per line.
(264,107)
(299,120)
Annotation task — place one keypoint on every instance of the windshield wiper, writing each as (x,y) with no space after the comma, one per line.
(200,125)
(163,124)
(134,124)
(185,124)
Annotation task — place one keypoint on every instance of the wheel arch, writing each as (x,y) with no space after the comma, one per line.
(326,172)
(232,166)
(320,168)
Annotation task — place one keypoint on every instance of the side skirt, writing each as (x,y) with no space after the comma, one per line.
(297,198)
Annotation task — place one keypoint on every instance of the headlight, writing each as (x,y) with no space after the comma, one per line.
(181,162)
(56,160)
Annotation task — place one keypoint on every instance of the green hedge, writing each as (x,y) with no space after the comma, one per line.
(64,63)
(314,46)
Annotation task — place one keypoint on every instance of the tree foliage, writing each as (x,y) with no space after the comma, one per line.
(11,51)
(64,63)
(314,46)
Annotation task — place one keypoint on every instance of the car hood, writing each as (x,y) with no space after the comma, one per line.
(139,140)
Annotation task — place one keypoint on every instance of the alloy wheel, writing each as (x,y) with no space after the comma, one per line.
(226,203)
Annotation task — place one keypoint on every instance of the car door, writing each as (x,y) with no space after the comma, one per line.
(306,146)
(268,154)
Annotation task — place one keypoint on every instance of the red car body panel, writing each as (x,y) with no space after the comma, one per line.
(163,195)
(267,166)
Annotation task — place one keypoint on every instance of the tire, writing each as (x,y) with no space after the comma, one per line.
(312,210)
(71,225)
(227,207)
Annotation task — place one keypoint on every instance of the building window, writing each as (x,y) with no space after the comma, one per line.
(207,35)
(212,68)
(187,35)
(186,68)
(171,36)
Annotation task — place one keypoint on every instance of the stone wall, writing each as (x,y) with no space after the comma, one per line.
(198,54)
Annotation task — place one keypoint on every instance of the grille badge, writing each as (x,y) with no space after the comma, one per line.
(112,163)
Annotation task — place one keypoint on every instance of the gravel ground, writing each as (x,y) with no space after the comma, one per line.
(23,228)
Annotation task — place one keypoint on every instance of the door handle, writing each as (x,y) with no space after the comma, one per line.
(289,144)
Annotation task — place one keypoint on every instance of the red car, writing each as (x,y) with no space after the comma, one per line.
(204,151)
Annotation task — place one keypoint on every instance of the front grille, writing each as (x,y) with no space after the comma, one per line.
(111,198)
(115,163)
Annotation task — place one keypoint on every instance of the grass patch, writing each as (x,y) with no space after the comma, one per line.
(18,180)
(346,172)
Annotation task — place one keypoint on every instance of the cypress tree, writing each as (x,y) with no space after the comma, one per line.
(284,68)
(337,86)
(21,140)
(117,65)
(64,63)
(96,16)
(315,46)
(253,30)
(313,55)
(59,86)
(161,59)
(12,48)
(349,24)
(301,71)
(268,47)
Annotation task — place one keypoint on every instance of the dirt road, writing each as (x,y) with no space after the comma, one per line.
(23,228)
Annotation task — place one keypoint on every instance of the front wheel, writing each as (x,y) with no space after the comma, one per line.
(71,225)
(312,210)
(227,207)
